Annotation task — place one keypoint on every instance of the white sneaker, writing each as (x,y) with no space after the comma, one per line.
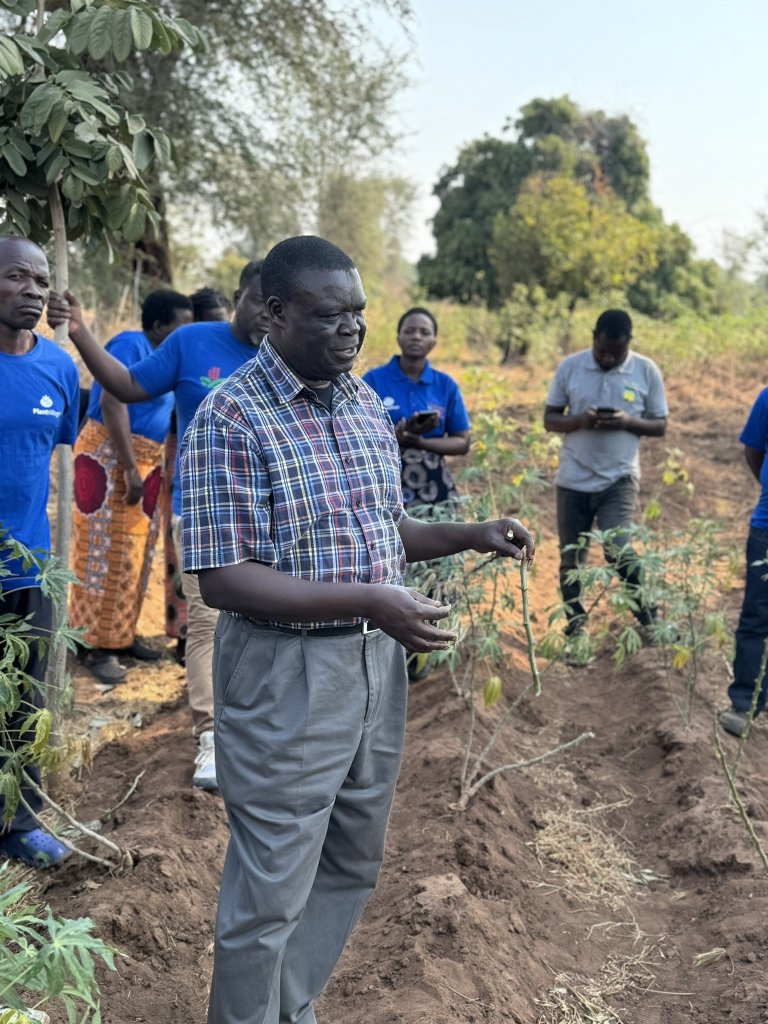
(205,762)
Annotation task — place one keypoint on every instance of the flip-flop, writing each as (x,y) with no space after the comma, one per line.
(106,668)
(37,848)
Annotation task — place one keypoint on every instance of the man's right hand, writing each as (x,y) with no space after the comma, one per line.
(588,419)
(64,309)
(407,616)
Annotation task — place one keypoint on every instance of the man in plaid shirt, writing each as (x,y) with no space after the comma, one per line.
(293,520)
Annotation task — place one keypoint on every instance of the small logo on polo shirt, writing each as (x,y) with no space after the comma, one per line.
(629,394)
(389,402)
(45,408)
(213,379)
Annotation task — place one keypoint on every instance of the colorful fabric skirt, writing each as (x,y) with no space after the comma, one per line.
(112,543)
(426,478)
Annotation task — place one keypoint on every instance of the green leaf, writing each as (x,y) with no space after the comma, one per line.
(135,123)
(57,121)
(143,150)
(11,62)
(101,33)
(188,32)
(86,174)
(141,26)
(78,31)
(122,35)
(30,47)
(119,208)
(56,168)
(57,21)
(113,159)
(14,159)
(162,146)
(73,188)
(134,226)
(161,37)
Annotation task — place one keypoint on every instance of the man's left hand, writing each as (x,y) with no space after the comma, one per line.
(507,537)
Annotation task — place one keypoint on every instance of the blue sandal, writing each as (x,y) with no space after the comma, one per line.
(37,848)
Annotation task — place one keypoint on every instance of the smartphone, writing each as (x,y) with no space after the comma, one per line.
(606,410)
(423,417)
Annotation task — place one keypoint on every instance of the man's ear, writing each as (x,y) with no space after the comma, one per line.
(276,309)
(236,297)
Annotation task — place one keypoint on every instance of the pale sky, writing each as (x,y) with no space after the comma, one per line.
(692,75)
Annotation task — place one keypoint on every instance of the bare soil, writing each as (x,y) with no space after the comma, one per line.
(473,919)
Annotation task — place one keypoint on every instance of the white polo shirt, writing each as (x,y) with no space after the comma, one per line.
(591,460)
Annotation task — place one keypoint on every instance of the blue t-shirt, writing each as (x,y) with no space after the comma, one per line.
(433,391)
(41,397)
(755,435)
(149,419)
(191,362)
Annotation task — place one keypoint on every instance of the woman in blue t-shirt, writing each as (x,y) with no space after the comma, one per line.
(427,410)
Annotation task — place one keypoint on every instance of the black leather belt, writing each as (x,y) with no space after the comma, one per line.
(363,628)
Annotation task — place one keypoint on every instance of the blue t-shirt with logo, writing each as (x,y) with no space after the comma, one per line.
(433,391)
(39,409)
(150,419)
(755,435)
(191,362)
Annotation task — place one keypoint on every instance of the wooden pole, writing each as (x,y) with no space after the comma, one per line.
(57,668)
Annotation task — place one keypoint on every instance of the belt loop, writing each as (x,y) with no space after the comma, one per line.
(366,627)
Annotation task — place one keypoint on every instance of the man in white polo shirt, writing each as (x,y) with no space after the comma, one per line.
(604,400)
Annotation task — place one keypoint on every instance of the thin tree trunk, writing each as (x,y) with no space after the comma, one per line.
(57,668)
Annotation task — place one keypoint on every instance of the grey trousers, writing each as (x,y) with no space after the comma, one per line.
(309,737)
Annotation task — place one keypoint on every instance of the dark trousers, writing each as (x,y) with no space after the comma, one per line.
(576,513)
(752,630)
(29,601)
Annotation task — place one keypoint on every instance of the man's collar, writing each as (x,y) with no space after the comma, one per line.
(284,382)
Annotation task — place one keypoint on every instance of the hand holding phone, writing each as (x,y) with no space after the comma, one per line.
(606,411)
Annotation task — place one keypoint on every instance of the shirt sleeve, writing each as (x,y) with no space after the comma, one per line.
(226,491)
(755,432)
(69,421)
(456,417)
(158,373)
(656,400)
(558,390)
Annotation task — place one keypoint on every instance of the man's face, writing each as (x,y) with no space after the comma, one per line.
(322,328)
(24,284)
(250,319)
(417,336)
(609,352)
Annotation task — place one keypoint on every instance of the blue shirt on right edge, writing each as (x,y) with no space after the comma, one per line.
(755,435)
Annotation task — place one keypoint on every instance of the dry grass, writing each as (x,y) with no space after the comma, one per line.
(591,864)
(577,1000)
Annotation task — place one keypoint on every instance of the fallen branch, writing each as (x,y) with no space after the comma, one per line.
(527,626)
(66,842)
(518,765)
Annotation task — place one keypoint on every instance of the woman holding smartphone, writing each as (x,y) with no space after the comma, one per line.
(427,410)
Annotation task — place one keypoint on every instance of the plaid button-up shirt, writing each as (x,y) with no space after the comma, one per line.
(269,475)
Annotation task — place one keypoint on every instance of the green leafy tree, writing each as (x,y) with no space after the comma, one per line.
(568,241)
(552,136)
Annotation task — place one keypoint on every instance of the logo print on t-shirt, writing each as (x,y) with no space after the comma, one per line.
(213,379)
(388,402)
(46,401)
(44,408)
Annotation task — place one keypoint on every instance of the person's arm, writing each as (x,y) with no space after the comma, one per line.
(642,426)
(108,371)
(448,444)
(754,460)
(261,592)
(558,421)
(423,541)
(118,423)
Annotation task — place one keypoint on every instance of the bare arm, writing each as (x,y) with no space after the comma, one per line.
(261,592)
(754,459)
(118,424)
(423,541)
(557,421)
(448,444)
(108,371)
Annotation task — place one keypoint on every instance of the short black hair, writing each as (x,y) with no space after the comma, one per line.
(614,324)
(247,274)
(416,309)
(162,305)
(205,299)
(292,256)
